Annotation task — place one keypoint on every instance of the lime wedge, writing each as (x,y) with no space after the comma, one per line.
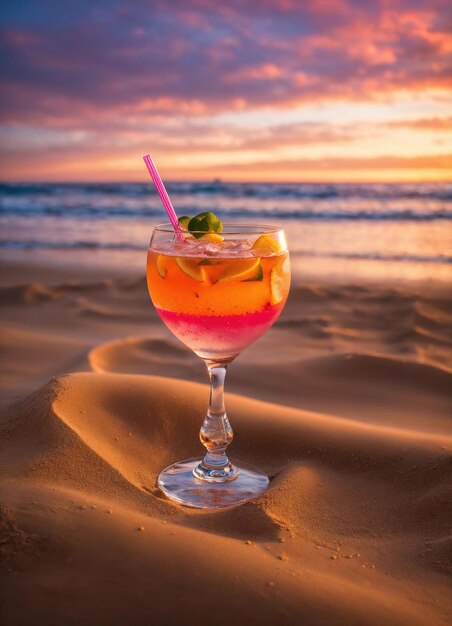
(241,268)
(160,266)
(191,268)
(206,222)
(266,245)
(183,222)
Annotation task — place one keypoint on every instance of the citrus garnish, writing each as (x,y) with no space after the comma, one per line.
(160,264)
(206,222)
(213,238)
(183,222)
(241,268)
(212,261)
(266,245)
(258,275)
(191,268)
(279,282)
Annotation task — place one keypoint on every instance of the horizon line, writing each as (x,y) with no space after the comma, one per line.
(219,180)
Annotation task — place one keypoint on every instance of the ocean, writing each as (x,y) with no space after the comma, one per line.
(346,232)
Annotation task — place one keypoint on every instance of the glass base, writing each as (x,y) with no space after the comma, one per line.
(178,483)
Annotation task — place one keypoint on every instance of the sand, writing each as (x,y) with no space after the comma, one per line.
(345,403)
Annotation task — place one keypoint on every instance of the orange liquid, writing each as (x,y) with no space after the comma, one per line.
(178,292)
(218,306)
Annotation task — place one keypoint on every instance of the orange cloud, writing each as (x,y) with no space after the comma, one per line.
(432,123)
(85,84)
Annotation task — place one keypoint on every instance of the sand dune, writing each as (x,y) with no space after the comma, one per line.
(345,404)
(338,490)
(370,388)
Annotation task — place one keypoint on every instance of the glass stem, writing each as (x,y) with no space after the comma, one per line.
(216,432)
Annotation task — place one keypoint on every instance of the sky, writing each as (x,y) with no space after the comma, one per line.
(257,90)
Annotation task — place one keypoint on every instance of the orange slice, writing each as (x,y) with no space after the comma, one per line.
(241,268)
(160,264)
(191,268)
(279,282)
(266,245)
(212,238)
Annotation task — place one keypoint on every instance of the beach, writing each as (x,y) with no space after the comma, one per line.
(303,149)
(345,403)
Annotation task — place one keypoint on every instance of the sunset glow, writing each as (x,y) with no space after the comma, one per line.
(328,90)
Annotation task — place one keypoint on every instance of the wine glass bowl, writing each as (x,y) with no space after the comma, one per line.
(217,294)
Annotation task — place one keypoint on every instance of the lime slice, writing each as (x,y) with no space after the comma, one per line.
(183,222)
(279,283)
(191,268)
(160,266)
(241,268)
(266,245)
(211,261)
(257,276)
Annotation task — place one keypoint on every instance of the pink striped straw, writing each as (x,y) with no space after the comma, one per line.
(163,196)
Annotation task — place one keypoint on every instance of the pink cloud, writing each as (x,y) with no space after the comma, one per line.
(115,71)
(270,54)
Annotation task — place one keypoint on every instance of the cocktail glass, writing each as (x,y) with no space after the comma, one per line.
(217,295)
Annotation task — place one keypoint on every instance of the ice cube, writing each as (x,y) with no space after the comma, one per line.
(241,248)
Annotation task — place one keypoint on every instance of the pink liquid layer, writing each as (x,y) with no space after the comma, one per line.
(220,336)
